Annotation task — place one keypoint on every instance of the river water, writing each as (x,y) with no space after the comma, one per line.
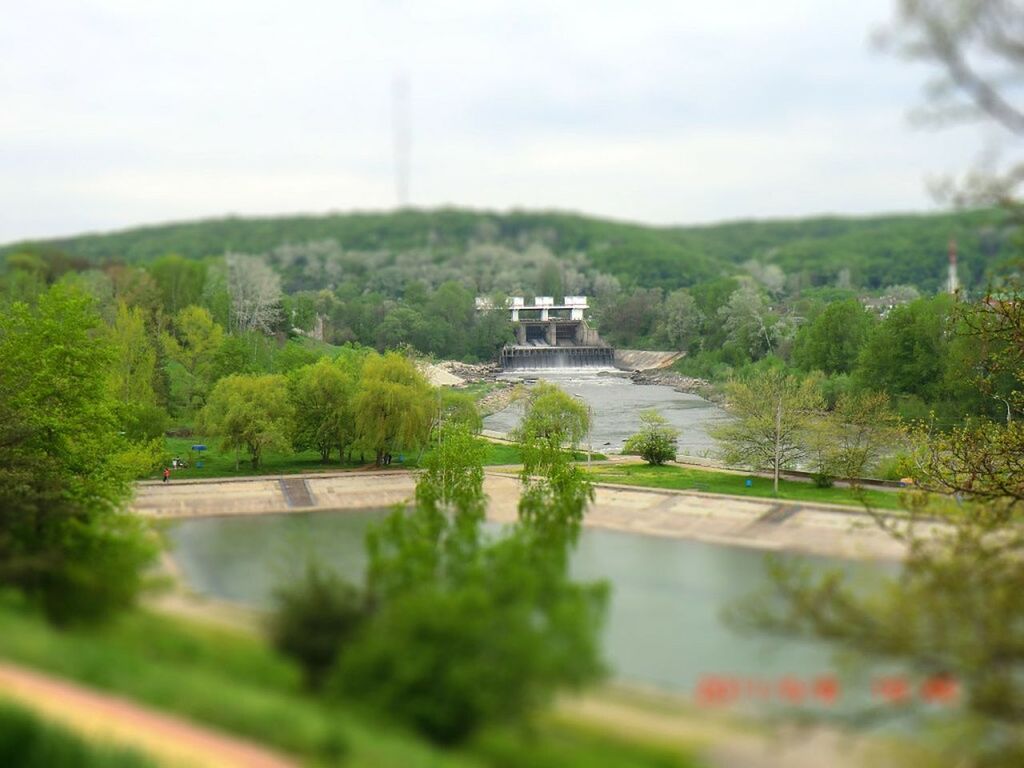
(665,625)
(616,403)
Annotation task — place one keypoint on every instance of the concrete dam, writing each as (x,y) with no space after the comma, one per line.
(550,335)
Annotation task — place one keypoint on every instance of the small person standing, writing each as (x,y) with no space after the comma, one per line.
(167,474)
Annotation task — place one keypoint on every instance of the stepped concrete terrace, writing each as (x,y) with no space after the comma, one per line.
(735,521)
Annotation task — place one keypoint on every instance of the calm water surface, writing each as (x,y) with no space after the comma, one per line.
(664,628)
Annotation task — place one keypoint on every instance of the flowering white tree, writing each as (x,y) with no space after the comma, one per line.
(255,291)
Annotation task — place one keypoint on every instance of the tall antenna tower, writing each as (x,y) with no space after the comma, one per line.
(401,123)
(953,280)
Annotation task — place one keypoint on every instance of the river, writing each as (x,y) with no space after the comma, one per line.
(665,626)
(616,403)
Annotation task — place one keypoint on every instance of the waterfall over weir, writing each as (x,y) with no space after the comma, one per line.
(514,358)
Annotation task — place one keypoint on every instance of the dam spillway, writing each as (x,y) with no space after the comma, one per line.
(514,358)
(551,336)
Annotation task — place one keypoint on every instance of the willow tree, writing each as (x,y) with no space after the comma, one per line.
(250,413)
(394,405)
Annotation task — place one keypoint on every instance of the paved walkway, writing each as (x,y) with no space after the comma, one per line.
(733,520)
(169,739)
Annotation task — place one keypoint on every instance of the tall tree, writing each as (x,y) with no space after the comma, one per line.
(394,405)
(322,395)
(680,320)
(255,291)
(250,413)
(180,281)
(194,343)
(770,415)
(65,471)
(906,353)
(748,321)
(832,341)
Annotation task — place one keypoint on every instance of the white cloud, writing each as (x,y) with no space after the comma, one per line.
(119,112)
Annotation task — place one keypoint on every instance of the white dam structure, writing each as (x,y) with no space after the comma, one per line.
(550,335)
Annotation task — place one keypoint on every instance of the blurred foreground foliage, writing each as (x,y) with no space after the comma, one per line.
(232,679)
(66,467)
(461,629)
(26,741)
(956,610)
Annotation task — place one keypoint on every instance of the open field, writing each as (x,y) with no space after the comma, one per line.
(710,481)
(232,680)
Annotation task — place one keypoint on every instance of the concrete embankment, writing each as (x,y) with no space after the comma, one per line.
(644,360)
(735,521)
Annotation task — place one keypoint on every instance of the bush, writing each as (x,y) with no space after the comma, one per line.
(447,660)
(822,480)
(656,440)
(313,620)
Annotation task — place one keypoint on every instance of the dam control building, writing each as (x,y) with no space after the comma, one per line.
(550,335)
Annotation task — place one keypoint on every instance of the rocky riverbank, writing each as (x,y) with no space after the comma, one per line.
(685,384)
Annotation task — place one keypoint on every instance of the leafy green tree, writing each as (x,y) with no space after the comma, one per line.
(554,416)
(180,281)
(680,320)
(458,408)
(394,405)
(771,413)
(322,396)
(656,440)
(907,352)
(467,631)
(131,377)
(65,471)
(749,322)
(831,343)
(249,412)
(193,344)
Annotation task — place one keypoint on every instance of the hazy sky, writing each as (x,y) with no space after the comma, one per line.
(120,112)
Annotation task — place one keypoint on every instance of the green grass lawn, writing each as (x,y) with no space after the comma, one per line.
(33,742)
(217,463)
(232,680)
(687,478)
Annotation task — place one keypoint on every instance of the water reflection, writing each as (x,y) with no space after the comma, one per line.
(665,623)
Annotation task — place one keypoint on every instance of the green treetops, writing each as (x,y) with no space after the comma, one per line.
(656,440)
(394,405)
(249,412)
(832,341)
(322,395)
(65,470)
(553,416)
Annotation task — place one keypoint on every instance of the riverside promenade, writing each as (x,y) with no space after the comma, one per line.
(764,524)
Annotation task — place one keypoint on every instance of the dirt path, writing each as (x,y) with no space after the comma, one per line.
(168,739)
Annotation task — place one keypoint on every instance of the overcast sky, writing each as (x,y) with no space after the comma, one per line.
(122,112)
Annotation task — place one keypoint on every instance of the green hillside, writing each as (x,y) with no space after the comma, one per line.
(877,251)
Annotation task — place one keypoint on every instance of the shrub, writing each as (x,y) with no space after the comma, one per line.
(313,620)
(656,440)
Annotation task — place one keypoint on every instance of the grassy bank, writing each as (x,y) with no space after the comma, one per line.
(28,741)
(233,681)
(688,478)
(218,463)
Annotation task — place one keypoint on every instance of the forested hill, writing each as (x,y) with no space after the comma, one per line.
(877,251)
